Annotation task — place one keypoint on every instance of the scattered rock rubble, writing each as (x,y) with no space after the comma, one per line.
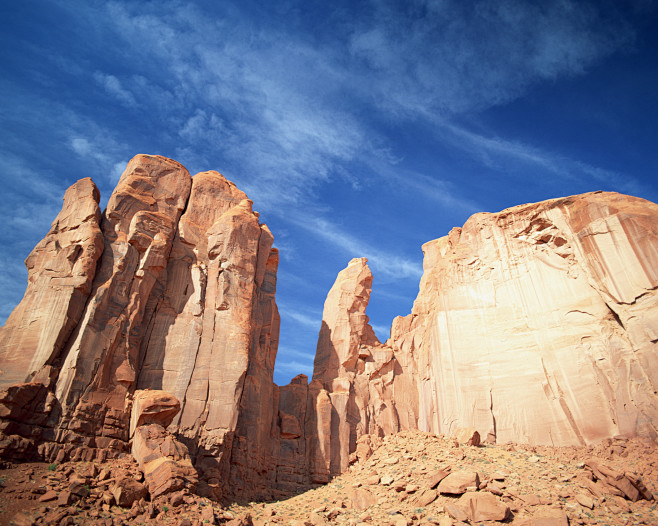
(411,478)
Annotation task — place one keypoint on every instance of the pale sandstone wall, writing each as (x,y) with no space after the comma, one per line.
(539,323)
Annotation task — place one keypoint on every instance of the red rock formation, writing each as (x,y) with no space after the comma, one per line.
(165,462)
(102,355)
(180,301)
(537,324)
(356,372)
(60,272)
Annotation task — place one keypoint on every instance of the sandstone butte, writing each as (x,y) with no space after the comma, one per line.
(537,325)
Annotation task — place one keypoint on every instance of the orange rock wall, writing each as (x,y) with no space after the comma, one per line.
(172,289)
(537,324)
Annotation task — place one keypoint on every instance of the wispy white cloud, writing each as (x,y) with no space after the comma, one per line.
(312,322)
(113,87)
(275,106)
(387,263)
(307,356)
(383,332)
(452,57)
(110,167)
(505,154)
(295,367)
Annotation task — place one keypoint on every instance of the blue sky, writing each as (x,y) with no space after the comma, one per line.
(358,129)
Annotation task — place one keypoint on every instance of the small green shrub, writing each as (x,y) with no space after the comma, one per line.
(52,467)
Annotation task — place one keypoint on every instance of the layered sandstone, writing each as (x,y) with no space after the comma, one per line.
(172,289)
(369,387)
(537,324)
(60,272)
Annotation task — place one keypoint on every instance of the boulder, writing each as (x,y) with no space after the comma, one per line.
(126,490)
(467,436)
(361,499)
(165,461)
(153,407)
(483,506)
(608,481)
(459,482)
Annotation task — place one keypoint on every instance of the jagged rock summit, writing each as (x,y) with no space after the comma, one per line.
(173,289)
(538,324)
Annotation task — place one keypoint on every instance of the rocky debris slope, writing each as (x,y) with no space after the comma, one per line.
(420,478)
(411,478)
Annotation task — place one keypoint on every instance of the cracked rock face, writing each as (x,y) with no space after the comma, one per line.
(539,324)
(172,289)
(60,273)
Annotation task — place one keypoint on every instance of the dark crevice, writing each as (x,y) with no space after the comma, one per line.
(616,317)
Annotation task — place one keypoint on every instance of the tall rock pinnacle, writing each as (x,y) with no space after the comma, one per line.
(60,273)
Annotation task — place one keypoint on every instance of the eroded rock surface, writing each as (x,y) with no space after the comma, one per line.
(538,325)
(60,273)
(173,289)
(164,460)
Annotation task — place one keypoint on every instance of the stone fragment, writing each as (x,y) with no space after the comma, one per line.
(153,407)
(494,488)
(48,496)
(467,436)
(126,490)
(458,482)
(241,521)
(436,477)
(585,500)
(425,498)
(64,498)
(361,499)
(483,506)
(372,480)
(456,512)
(165,461)
(549,517)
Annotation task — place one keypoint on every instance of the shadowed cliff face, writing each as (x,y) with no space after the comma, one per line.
(538,324)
